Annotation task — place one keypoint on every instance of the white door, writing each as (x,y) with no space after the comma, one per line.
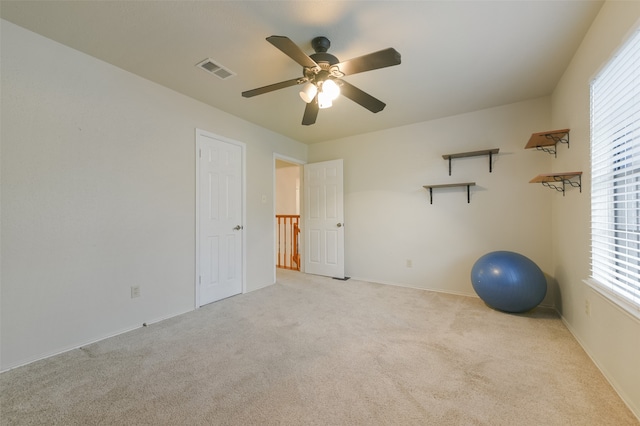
(219,219)
(324,219)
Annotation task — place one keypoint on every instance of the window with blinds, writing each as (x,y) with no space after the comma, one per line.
(615,176)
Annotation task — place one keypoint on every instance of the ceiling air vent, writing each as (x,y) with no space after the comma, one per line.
(210,66)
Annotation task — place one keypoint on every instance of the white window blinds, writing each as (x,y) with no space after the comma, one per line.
(615,175)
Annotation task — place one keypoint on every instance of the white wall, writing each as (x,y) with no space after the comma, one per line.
(287,189)
(98,194)
(388,218)
(611,337)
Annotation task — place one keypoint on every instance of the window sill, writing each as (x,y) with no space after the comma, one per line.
(613,298)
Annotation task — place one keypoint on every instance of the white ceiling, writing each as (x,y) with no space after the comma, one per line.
(457,56)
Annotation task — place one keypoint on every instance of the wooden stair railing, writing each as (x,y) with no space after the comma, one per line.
(287,244)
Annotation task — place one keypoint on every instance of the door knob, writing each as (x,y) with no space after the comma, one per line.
(237,228)
(339,225)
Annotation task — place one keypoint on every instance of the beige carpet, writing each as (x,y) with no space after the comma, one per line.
(312,350)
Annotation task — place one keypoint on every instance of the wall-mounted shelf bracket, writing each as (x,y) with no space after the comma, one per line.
(548,141)
(450,185)
(558,181)
(488,152)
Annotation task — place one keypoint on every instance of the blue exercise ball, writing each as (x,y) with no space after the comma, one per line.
(508,281)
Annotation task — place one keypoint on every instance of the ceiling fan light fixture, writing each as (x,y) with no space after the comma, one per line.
(324,101)
(331,89)
(308,92)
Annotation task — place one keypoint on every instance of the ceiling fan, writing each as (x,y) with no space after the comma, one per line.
(322,75)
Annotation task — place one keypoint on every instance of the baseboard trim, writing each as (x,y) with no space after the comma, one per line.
(44,356)
(634,410)
(395,284)
(436,290)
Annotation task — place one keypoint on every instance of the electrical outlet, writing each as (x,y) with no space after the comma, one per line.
(409,263)
(135,291)
(587,307)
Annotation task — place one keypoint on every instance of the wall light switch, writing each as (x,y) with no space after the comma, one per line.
(135,291)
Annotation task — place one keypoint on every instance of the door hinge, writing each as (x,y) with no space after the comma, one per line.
(199,279)
(200,153)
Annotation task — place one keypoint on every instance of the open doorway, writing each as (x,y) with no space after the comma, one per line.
(288,183)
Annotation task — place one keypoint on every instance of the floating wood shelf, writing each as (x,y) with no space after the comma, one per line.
(553,180)
(488,152)
(450,185)
(548,141)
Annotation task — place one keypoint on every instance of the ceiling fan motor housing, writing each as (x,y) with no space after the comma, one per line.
(322,58)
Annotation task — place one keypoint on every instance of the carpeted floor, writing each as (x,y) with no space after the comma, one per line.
(312,350)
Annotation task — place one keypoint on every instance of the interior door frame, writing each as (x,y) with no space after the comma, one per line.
(243,190)
(300,164)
